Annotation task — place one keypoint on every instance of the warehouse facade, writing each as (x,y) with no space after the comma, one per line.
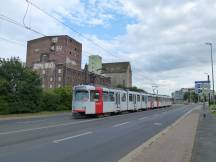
(57,59)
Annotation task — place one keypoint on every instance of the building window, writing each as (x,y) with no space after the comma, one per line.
(123,83)
(51,86)
(51,79)
(43,72)
(44,57)
(59,79)
(59,71)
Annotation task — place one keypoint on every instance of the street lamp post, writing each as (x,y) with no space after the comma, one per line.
(154,87)
(208,87)
(212,67)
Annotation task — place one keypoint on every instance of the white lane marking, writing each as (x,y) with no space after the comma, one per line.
(53,126)
(143,118)
(158,124)
(34,121)
(120,124)
(71,137)
(45,127)
(149,142)
(58,125)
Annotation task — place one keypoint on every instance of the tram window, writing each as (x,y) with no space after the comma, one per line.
(111,96)
(105,96)
(81,95)
(123,98)
(150,98)
(94,96)
(138,98)
(143,98)
(130,98)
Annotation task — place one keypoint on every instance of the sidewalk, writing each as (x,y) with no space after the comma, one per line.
(174,144)
(205,141)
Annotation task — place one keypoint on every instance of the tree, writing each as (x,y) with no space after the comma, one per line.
(186,96)
(20,87)
(190,97)
(134,88)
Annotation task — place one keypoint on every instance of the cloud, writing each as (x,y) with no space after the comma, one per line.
(165,44)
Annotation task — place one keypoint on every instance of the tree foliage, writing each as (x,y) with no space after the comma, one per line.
(190,97)
(57,99)
(21,91)
(134,88)
(20,87)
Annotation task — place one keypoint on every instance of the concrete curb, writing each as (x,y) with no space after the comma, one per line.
(153,139)
(31,116)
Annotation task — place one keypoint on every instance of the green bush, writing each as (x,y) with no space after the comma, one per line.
(57,99)
(20,88)
(212,107)
(3,105)
(21,91)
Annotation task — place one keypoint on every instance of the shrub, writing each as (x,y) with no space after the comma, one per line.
(57,99)
(20,88)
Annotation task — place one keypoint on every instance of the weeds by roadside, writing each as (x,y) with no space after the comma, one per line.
(212,108)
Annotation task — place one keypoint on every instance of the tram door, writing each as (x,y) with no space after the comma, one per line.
(118,100)
(134,101)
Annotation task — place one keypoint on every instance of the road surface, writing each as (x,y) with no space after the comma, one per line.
(62,138)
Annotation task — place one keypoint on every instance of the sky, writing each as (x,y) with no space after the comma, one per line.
(164,40)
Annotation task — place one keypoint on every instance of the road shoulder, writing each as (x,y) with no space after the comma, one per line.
(175,143)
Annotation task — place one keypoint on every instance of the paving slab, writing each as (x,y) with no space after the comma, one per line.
(205,141)
(175,144)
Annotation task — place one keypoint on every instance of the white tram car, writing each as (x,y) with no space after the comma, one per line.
(88,99)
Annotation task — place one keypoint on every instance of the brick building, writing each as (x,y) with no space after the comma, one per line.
(57,49)
(57,59)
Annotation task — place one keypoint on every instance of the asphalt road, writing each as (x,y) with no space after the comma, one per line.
(62,138)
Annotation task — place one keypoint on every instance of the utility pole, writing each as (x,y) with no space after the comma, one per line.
(208,79)
(212,68)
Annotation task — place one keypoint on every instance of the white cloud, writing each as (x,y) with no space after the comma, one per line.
(165,45)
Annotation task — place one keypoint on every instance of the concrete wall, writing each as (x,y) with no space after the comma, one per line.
(124,79)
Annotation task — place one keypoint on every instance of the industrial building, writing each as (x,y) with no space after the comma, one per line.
(119,72)
(58,60)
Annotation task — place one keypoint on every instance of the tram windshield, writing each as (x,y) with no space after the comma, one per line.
(81,95)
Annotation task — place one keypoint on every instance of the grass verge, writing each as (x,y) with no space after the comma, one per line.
(212,108)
